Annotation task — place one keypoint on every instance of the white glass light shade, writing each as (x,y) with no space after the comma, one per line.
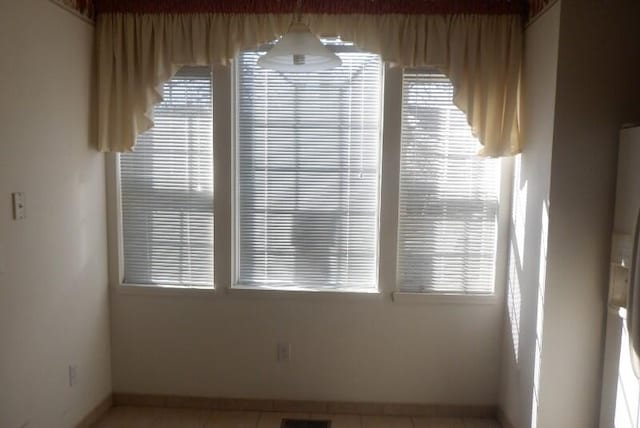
(299,50)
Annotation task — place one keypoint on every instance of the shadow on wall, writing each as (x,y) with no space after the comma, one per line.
(526,285)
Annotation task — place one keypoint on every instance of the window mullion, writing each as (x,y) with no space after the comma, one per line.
(223,169)
(390,180)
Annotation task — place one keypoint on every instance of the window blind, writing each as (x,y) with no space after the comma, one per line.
(447,232)
(308,174)
(167,189)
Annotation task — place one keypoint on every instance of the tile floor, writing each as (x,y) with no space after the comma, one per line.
(150,417)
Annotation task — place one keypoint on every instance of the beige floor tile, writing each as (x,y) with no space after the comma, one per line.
(274,419)
(232,419)
(437,422)
(386,422)
(481,423)
(339,421)
(129,417)
(180,418)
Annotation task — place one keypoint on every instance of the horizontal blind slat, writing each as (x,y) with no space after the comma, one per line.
(167,188)
(448,195)
(307,150)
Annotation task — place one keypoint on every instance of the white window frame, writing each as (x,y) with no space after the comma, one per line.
(235,286)
(502,227)
(225,213)
(115,227)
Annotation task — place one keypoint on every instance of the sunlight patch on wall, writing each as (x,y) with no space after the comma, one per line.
(516,252)
(519,209)
(514,298)
(542,273)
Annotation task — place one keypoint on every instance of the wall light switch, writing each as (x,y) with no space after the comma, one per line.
(18,206)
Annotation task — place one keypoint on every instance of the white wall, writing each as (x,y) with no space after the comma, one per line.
(597,91)
(529,211)
(341,350)
(53,291)
(344,348)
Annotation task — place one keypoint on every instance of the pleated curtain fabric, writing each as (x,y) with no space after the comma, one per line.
(481,54)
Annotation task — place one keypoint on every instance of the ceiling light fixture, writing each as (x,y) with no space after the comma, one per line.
(299,51)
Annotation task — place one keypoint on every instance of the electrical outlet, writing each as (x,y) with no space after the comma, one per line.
(73,375)
(284,352)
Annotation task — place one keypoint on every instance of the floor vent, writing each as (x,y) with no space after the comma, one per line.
(305,423)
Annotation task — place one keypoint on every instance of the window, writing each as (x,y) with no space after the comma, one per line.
(167,189)
(447,231)
(299,184)
(307,174)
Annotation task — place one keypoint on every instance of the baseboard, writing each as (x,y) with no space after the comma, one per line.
(96,413)
(331,407)
(503,419)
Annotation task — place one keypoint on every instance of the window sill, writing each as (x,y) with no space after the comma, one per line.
(275,294)
(445,299)
(164,290)
(271,293)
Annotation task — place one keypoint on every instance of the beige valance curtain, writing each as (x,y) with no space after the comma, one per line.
(481,54)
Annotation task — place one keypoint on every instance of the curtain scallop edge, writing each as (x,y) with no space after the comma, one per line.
(481,54)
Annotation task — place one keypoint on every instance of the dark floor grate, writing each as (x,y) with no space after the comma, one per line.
(305,423)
